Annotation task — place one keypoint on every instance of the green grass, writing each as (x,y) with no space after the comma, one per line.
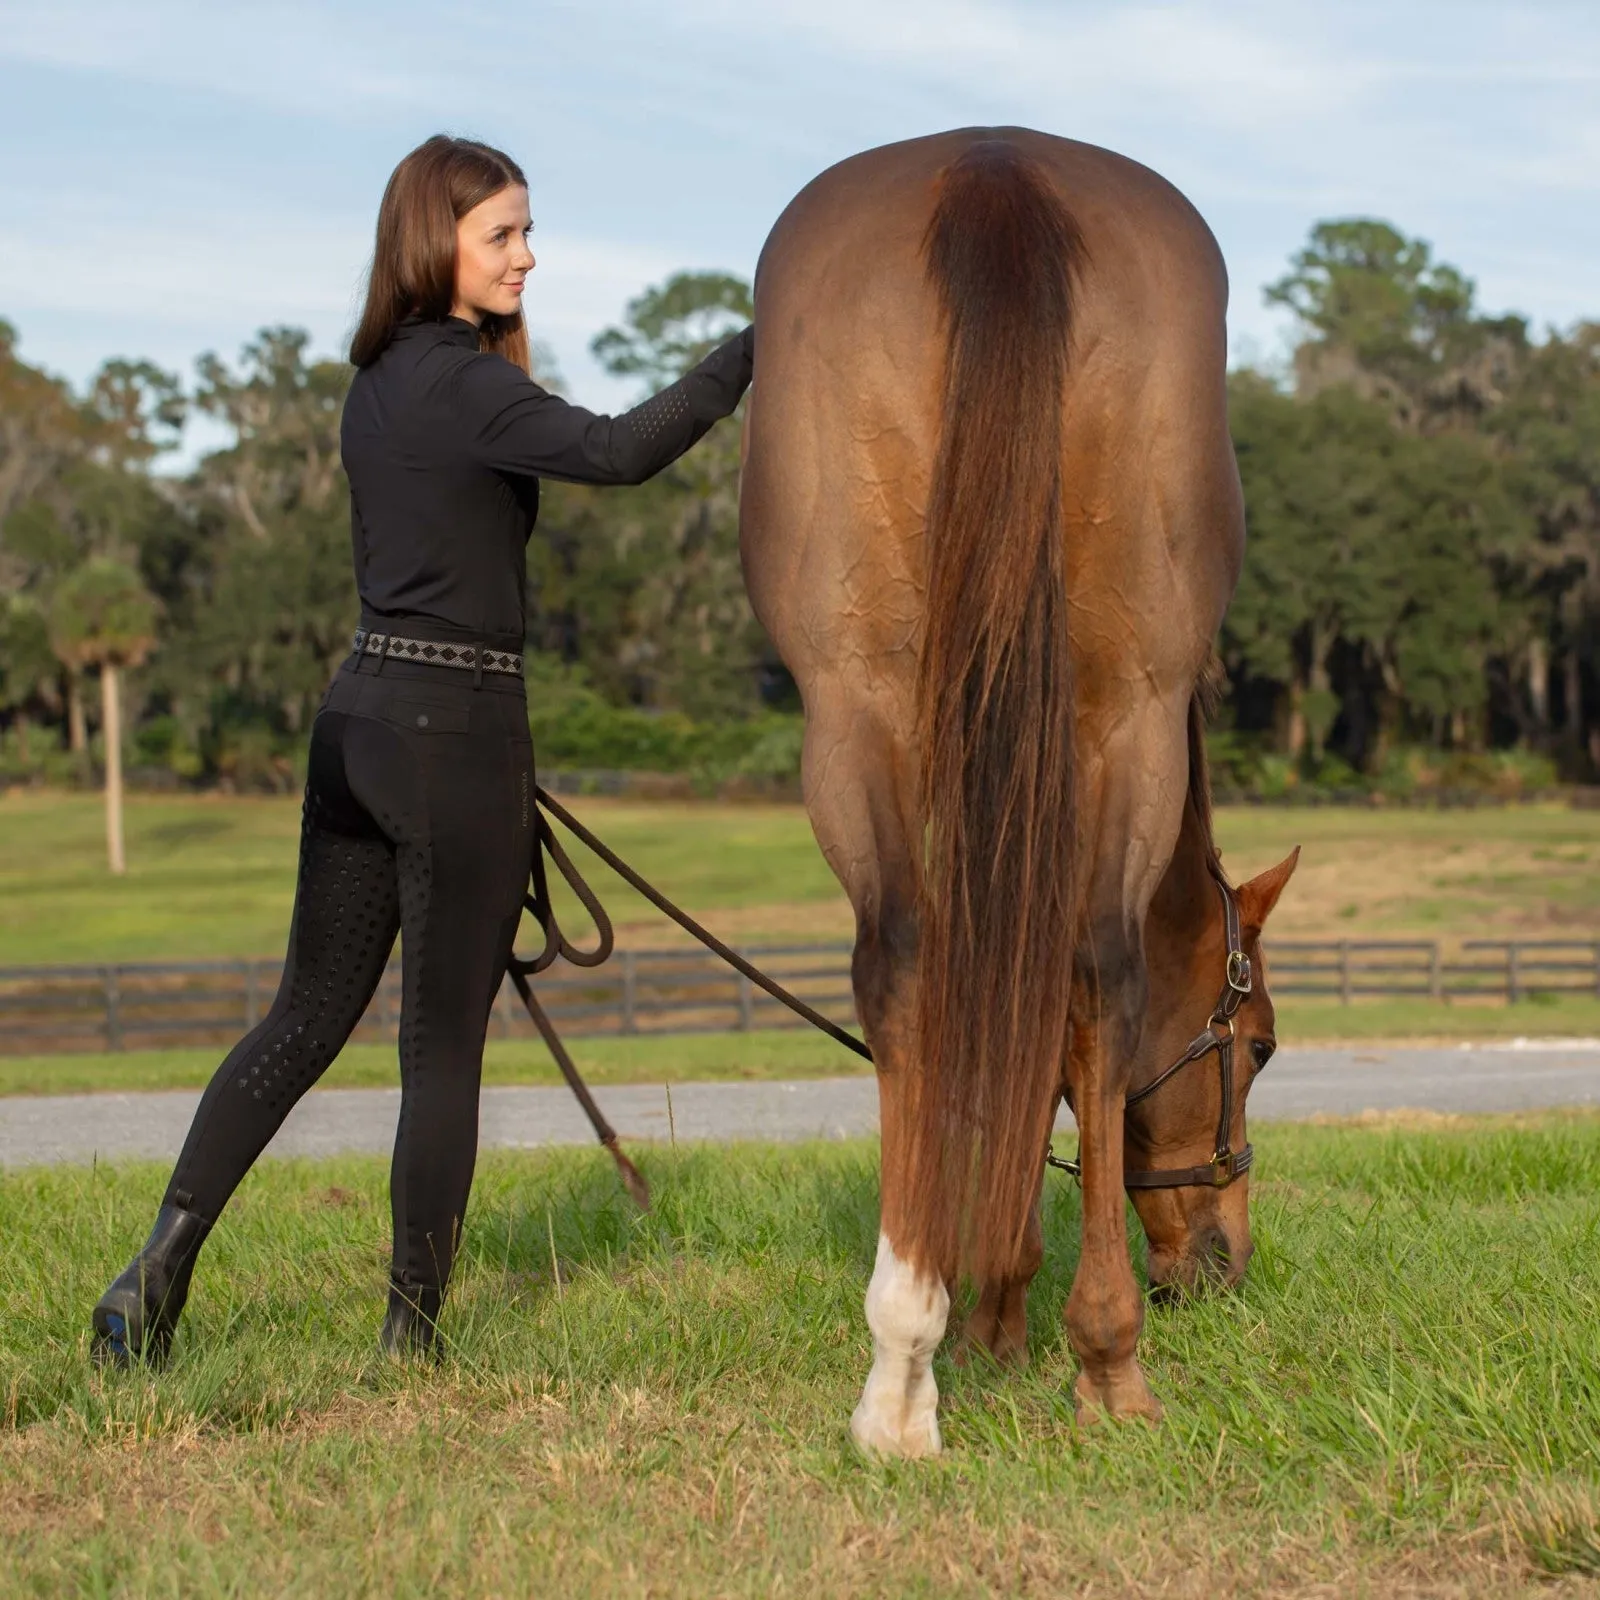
(213,876)
(1403,1398)
(786,1053)
(1303,1021)
(713,1057)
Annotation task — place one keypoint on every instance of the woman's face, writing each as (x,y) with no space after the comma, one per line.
(492,256)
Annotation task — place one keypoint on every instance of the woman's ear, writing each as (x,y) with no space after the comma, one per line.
(1260,894)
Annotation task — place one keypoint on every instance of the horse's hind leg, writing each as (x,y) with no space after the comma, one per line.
(862,808)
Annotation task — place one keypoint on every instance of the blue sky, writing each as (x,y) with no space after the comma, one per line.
(176,175)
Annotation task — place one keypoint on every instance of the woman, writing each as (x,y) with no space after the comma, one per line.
(418,804)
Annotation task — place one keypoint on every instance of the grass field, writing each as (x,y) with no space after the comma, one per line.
(790,1053)
(213,876)
(1404,1399)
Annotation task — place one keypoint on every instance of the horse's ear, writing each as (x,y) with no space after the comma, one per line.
(1260,894)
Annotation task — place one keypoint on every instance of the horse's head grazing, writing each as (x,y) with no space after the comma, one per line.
(1198,1229)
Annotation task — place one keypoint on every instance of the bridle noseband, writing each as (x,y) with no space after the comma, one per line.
(1225,1164)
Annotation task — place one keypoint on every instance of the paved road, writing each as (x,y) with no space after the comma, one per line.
(1300,1083)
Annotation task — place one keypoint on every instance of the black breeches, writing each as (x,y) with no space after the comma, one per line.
(418,819)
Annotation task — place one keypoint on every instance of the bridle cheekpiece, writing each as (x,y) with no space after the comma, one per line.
(1225,1164)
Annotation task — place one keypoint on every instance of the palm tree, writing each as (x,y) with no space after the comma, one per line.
(102,615)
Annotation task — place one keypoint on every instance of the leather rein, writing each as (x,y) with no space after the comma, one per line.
(1225,1165)
(1218,1035)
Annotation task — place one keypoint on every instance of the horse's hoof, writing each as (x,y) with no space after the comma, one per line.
(1119,1392)
(908,1430)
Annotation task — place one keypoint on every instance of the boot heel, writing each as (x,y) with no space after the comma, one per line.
(137,1316)
(411,1328)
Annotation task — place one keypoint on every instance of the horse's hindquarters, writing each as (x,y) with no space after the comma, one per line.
(1133,519)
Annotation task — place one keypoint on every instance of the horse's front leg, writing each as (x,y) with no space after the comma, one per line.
(1105,1312)
(999,1321)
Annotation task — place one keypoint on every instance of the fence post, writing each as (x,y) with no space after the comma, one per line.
(747,1004)
(1513,972)
(1597,969)
(1435,972)
(252,994)
(630,991)
(113,1009)
(1344,971)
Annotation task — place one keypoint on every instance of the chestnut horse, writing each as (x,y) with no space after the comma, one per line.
(990,517)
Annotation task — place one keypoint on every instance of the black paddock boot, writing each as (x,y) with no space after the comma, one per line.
(411,1329)
(137,1315)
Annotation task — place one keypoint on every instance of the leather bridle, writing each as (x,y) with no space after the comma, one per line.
(1218,1035)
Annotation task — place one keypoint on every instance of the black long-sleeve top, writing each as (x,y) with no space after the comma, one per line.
(444,446)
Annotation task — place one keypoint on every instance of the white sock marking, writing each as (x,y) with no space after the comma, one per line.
(907,1312)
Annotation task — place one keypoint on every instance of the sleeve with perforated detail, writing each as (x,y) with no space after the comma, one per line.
(517,427)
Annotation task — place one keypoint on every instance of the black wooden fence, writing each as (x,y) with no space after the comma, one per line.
(1510,970)
(151,1004)
(146,1005)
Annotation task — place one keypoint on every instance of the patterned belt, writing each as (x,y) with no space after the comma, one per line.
(473,657)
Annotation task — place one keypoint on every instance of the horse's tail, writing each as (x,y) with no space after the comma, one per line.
(999,910)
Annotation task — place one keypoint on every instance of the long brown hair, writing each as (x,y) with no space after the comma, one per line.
(414,259)
(995,708)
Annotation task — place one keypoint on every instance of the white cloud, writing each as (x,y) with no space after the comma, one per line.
(1203,61)
(1570,168)
(329,60)
(659,137)
(179,290)
(579,287)
(303,269)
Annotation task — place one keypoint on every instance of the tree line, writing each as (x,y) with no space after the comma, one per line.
(1421,589)
(1423,499)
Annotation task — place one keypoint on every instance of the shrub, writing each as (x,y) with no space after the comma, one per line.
(163,742)
(576,727)
(1242,767)
(776,752)
(252,758)
(46,760)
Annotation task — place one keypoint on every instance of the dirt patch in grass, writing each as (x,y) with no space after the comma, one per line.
(1518,872)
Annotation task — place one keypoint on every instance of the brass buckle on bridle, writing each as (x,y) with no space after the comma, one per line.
(1225,1164)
